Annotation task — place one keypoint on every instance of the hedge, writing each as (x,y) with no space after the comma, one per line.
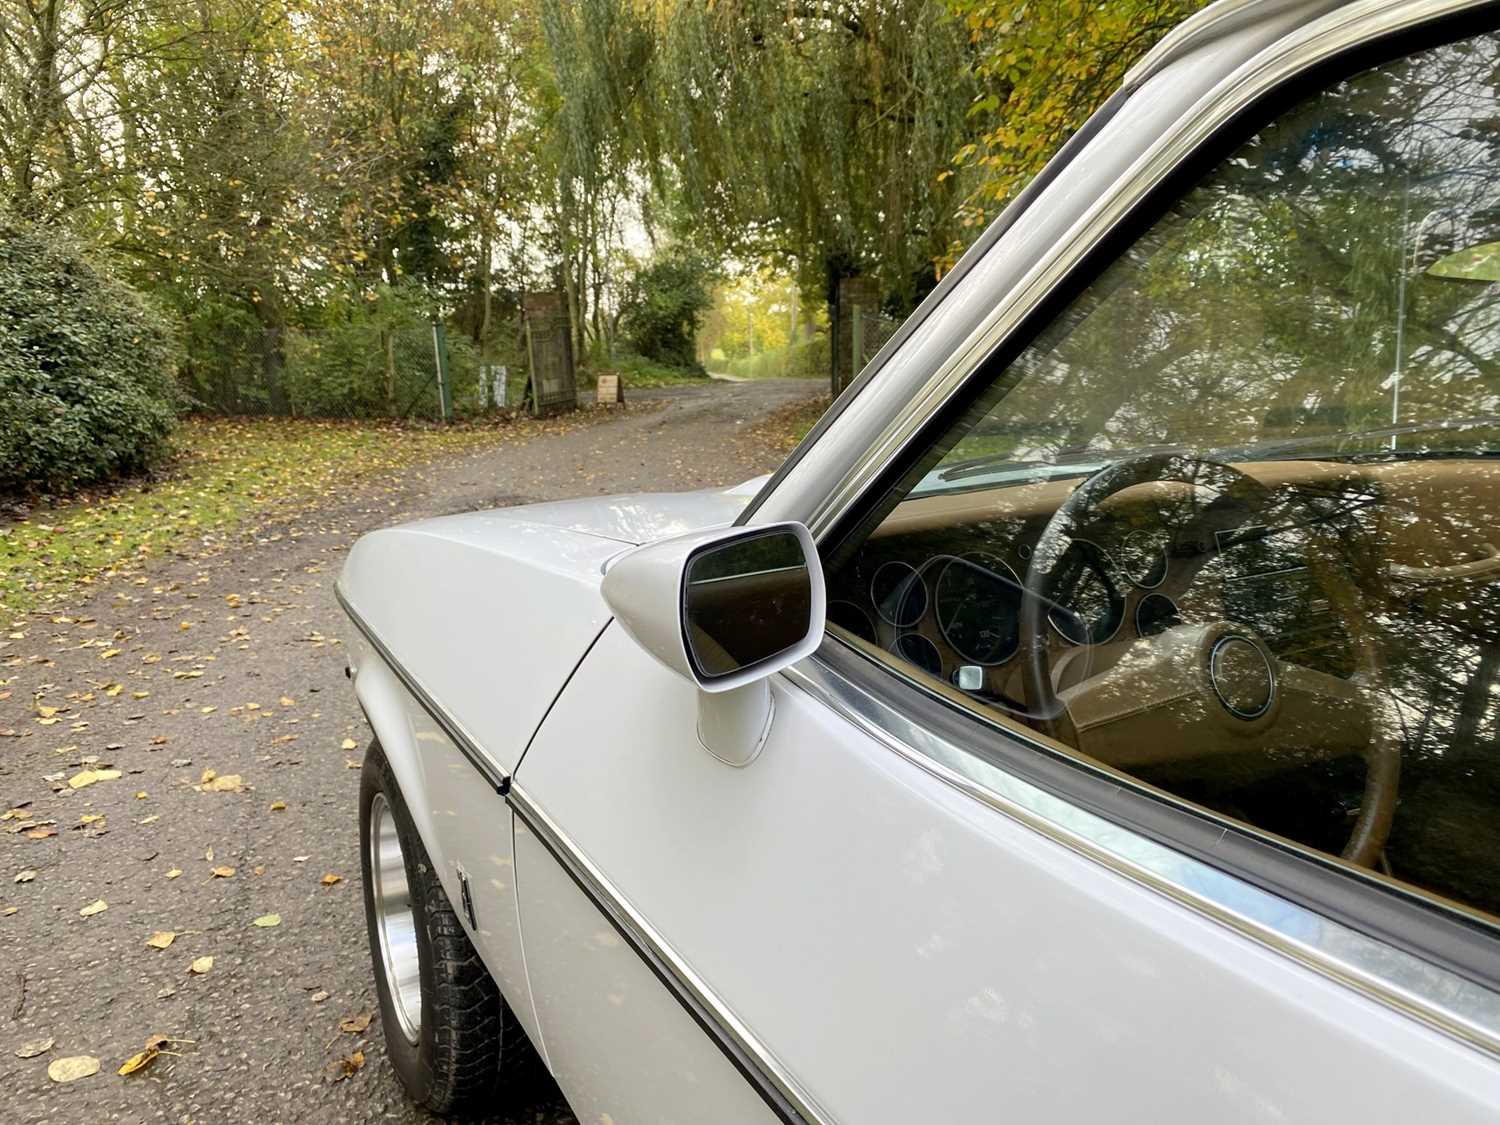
(87,368)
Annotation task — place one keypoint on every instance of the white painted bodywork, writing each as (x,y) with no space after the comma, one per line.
(912,956)
(896,950)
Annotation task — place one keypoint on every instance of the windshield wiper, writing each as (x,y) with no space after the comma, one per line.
(981,465)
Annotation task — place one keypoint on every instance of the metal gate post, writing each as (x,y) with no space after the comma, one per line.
(440,357)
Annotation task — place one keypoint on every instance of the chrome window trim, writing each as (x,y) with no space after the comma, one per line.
(751,1057)
(1437,997)
(1344,29)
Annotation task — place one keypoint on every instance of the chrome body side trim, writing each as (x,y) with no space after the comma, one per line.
(1443,1000)
(748,1055)
(1344,29)
(493,775)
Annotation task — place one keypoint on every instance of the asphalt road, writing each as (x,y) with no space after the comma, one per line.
(234,663)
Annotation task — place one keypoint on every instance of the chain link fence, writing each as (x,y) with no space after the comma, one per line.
(411,371)
(871,332)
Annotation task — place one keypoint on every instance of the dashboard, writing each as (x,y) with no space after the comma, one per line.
(947,598)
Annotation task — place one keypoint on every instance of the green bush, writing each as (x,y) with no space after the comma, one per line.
(87,368)
(662,304)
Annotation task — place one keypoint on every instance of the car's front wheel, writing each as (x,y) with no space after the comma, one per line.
(448,1032)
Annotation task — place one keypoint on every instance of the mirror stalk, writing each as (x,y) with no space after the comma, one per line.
(733,725)
(725,609)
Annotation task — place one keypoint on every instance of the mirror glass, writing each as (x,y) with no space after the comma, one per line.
(746,601)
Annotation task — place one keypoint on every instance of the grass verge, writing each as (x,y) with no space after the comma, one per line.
(640,372)
(227,475)
(784,428)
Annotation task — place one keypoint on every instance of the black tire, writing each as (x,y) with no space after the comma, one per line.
(470,1051)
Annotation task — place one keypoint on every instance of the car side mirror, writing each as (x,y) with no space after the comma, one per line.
(724,609)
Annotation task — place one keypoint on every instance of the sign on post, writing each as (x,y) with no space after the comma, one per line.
(610,389)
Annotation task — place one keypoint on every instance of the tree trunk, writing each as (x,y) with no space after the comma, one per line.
(272,320)
(487,278)
(388,345)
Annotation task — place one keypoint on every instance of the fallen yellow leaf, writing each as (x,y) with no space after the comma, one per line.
(201,965)
(72,1068)
(88,777)
(221,873)
(330,879)
(278,806)
(267,920)
(161,939)
(355,1024)
(172,874)
(139,1061)
(348,744)
(98,906)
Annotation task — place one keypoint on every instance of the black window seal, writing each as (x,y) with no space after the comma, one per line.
(1448,936)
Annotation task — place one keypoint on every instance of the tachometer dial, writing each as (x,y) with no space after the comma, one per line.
(977,600)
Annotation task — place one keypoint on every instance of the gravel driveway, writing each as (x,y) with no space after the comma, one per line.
(234,664)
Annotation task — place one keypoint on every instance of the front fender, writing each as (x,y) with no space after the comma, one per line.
(386,704)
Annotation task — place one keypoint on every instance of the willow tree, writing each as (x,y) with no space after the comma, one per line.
(598,51)
(814,131)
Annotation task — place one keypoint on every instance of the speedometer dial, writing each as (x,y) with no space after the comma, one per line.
(978,600)
(1088,609)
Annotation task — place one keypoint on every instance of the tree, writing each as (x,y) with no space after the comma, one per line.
(1043,66)
(810,134)
(661,311)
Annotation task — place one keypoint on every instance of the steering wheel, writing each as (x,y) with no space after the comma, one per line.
(1215,685)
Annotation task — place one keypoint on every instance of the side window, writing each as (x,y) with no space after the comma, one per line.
(1231,525)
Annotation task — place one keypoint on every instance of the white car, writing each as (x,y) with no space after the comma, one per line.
(1097,718)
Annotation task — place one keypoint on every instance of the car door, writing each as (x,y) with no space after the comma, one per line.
(994,861)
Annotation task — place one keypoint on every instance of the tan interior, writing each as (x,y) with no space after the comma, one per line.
(1428,531)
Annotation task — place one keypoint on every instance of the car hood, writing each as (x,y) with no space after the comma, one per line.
(632,518)
(489,612)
